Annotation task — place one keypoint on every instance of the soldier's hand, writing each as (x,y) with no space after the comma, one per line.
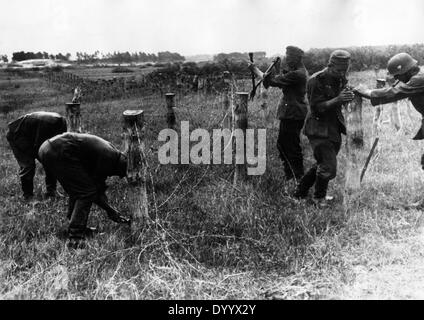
(345,96)
(266,74)
(362,91)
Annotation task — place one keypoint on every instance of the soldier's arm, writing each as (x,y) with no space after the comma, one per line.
(363,92)
(284,80)
(392,94)
(319,101)
(113,214)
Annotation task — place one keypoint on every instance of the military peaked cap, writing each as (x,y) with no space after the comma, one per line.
(294,51)
(339,57)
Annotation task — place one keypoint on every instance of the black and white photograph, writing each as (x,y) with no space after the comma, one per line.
(214,155)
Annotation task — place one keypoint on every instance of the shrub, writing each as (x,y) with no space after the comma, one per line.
(122,70)
(57,69)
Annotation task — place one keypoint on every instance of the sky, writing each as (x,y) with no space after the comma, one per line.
(192,27)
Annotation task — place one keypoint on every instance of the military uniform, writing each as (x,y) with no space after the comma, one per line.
(82,163)
(292,110)
(25,136)
(323,127)
(413,90)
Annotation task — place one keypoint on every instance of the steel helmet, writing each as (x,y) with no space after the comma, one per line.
(400,63)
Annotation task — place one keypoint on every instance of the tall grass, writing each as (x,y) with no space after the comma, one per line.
(206,239)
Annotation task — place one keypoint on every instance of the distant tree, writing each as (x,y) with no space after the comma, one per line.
(79,56)
(167,56)
(60,56)
(19,56)
(4,58)
(190,68)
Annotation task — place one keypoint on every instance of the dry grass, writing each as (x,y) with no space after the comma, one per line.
(207,239)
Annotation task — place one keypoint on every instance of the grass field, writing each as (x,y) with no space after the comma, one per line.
(207,239)
(105,73)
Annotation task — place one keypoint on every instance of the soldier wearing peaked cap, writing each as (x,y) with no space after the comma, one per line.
(292,110)
(326,92)
(25,136)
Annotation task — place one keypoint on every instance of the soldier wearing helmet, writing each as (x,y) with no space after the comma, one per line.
(326,91)
(410,84)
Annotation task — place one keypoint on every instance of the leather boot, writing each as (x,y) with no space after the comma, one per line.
(50,185)
(305,183)
(27,188)
(78,223)
(321,186)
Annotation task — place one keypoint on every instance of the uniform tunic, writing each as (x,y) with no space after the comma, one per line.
(25,137)
(292,110)
(323,127)
(82,163)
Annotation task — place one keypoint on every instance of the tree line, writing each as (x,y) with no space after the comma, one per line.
(127,57)
(22,55)
(363,58)
(99,57)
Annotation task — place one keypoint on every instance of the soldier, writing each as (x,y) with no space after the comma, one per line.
(327,92)
(410,84)
(82,163)
(25,137)
(292,110)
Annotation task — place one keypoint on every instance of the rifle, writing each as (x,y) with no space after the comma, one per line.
(252,74)
(253,92)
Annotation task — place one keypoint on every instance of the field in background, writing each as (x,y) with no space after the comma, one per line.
(207,239)
(106,73)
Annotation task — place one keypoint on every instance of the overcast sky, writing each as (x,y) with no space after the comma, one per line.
(205,27)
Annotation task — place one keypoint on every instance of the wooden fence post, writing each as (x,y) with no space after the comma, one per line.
(240,122)
(376,121)
(395,117)
(73,117)
(227,101)
(409,111)
(354,150)
(170,114)
(133,137)
(263,103)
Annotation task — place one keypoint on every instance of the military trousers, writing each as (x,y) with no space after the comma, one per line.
(325,169)
(76,181)
(288,145)
(26,160)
